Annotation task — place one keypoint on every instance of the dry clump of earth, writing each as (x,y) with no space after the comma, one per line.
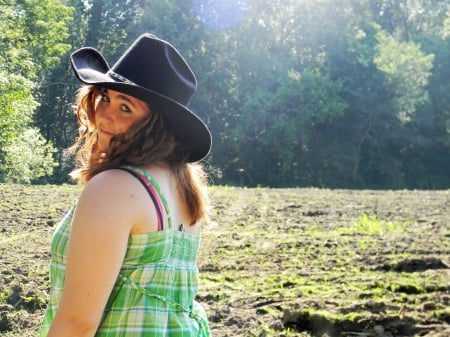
(274,262)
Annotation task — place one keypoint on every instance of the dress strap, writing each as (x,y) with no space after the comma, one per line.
(150,190)
(151,182)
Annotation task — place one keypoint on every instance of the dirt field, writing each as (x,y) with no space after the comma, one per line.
(274,262)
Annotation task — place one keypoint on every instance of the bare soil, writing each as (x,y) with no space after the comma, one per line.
(274,262)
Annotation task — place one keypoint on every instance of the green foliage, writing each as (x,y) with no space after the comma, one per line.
(372,225)
(33,34)
(335,94)
(44,26)
(282,123)
(27,157)
(16,104)
(407,71)
(303,100)
(24,154)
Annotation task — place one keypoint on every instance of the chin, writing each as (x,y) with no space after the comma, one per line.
(102,147)
(103,144)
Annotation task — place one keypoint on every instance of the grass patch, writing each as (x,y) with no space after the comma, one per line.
(373,226)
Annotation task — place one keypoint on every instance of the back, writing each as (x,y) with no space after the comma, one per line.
(157,284)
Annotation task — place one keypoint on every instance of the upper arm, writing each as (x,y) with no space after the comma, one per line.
(97,246)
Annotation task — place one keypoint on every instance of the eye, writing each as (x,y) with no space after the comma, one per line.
(104,98)
(125,108)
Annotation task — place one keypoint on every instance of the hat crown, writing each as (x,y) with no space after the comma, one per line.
(151,70)
(156,65)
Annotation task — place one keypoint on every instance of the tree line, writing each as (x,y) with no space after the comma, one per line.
(339,94)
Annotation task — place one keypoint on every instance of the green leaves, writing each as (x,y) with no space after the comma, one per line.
(24,154)
(16,104)
(27,157)
(407,70)
(329,93)
(33,34)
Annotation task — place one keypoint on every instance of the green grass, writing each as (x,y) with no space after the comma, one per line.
(372,225)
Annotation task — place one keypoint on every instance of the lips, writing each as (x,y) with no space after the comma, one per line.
(106,133)
(104,139)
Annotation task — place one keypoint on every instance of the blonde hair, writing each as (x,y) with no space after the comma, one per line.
(144,143)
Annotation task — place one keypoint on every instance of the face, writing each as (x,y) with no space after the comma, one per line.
(115,112)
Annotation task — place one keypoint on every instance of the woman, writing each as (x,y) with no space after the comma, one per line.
(124,258)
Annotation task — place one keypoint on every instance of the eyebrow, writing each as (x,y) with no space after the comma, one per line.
(122,97)
(126,99)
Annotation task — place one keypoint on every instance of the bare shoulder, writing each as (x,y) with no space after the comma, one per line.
(110,189)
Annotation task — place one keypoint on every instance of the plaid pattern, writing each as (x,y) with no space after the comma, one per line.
(154,293)
(57,269)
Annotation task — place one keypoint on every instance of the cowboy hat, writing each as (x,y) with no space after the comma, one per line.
(155,72)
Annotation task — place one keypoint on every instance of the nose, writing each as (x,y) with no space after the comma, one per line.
(105,112)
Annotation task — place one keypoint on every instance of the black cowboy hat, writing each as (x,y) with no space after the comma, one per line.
(155,72)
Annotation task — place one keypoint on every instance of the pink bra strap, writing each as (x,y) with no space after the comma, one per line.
(151,191)
(155,197)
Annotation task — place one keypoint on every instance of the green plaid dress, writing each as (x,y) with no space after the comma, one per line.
(154,293)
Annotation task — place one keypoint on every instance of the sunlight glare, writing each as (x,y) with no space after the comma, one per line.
(220,14)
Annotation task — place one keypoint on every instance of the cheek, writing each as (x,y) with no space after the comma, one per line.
(98,111)
(123,126)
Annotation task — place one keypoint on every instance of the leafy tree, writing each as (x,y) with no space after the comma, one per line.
(407,71)
(24,154)
(100,24)
(28,157)
(279,127)
(351,93)
(30,33)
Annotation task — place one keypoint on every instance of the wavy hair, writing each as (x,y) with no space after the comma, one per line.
(145,143)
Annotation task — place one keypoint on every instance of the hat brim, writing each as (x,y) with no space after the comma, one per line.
(91,68)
